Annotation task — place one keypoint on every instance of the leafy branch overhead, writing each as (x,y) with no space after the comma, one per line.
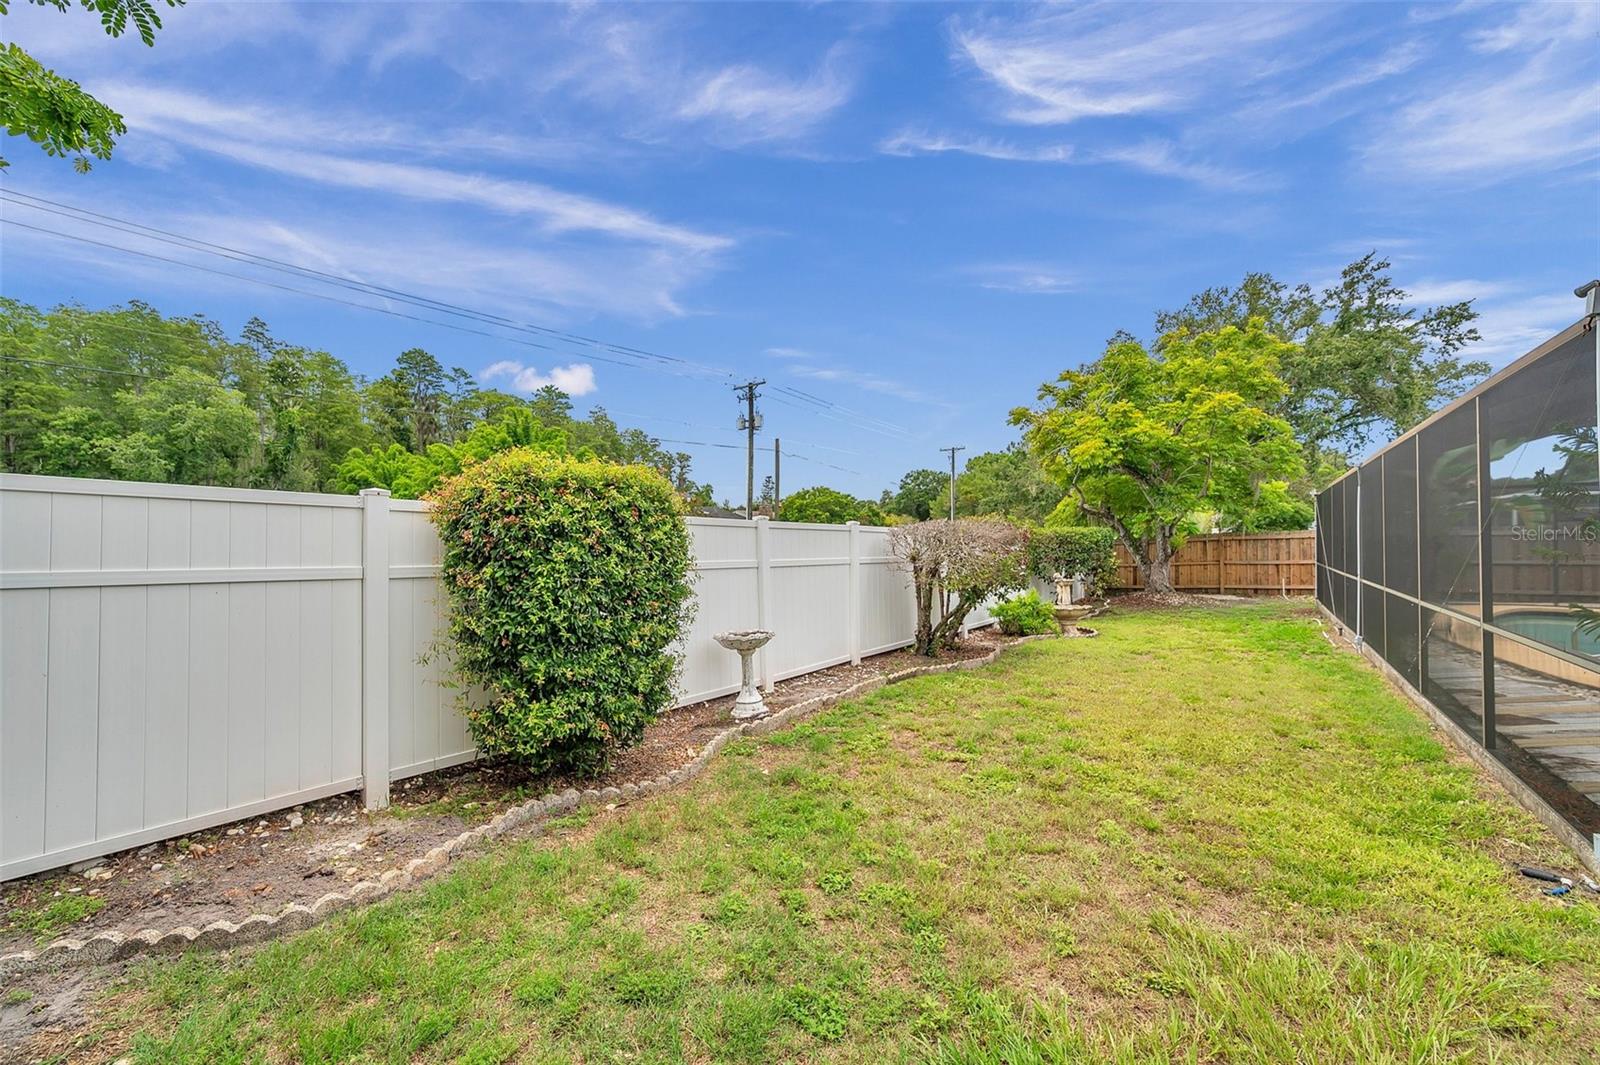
(54,111)
(1366,361)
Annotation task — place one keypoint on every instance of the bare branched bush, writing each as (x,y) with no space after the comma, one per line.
(971,558)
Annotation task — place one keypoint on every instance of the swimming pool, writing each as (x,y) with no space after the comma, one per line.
(1557,630)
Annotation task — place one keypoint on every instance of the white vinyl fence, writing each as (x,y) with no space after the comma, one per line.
(176,657)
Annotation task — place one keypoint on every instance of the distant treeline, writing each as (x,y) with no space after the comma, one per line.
(126,393)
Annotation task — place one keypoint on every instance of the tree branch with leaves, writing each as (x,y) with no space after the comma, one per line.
(1141,441)
(54,111)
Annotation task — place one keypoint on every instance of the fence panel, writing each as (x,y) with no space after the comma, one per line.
(1236,564)
(809,597)
(176,657)
(173,658)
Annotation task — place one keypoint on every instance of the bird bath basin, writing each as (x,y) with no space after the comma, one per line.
(746,642)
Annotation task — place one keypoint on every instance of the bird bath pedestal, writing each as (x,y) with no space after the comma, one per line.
(747,642)
(1068,613)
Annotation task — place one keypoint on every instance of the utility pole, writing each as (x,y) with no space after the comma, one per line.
(951,451)
(749,422)
(777,480)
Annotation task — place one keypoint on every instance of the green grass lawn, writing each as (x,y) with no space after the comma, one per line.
(1206,835)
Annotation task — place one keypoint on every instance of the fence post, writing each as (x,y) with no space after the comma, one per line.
(853,600)
(375,648)
(764,593)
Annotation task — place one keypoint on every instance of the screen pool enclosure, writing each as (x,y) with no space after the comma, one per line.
(1466,555)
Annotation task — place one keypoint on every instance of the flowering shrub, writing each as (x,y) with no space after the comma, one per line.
(568,581)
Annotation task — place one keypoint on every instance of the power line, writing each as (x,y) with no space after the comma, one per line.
(305,292)
(721,429)
(662,363)
(289,288)
(139,229)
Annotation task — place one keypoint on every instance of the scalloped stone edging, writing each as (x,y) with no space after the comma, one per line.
(116,946)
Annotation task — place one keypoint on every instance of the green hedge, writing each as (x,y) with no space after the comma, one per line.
(1087,549)
(568,581)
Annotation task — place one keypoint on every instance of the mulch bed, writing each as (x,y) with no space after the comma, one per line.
(261,864)
(1174,600)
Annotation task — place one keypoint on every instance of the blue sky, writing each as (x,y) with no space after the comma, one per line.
(917,213)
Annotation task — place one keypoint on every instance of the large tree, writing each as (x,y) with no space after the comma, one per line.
(1008,483)
(1366,360)
(921,494)
(1141,440)
(828,506)
(55,112)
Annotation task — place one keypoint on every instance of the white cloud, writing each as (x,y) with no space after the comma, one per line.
(1512,327)
(1162,158)
(190,117)
(1398,60)
(1099,61)
(575,380)
(1029,278)
(633,65)
(1432,291)
(476,267)
(1153,156)
(201,124)
(753,104)
(814,367)
(861,379)
(1532,104)
(908,143)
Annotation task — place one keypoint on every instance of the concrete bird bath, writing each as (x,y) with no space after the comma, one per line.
(747,642)
(1068,613)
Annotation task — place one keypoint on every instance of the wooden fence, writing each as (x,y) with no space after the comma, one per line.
(1281,563)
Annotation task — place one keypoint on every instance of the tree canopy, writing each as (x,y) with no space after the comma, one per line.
(1364,360)
(129,394)
(1009,483)
(828,506)
(54,111)
(921,494)
(1142,440)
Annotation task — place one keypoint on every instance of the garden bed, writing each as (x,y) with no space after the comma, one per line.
(262,864)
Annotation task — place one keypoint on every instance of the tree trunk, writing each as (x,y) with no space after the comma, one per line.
(949,627)
(924,641)
(1152,557)
(1158,573)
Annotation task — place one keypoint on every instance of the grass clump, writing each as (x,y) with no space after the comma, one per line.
(49,920)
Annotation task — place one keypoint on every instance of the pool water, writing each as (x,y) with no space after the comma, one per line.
(1558,630)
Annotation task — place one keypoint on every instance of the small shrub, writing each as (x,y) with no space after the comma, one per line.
(568,581)
(974,557)
(1025,615)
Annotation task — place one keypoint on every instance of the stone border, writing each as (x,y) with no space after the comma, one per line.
(258,927)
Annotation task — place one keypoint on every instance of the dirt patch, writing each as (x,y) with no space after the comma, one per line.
(263,864)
